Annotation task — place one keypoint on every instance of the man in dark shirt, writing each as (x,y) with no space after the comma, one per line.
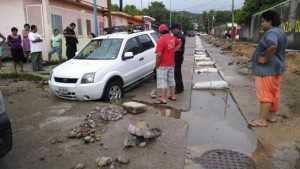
(176,31)
(71,40)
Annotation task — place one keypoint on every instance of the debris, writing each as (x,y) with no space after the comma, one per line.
(43,158)
(80,166)
(134,107)
(103,161)
(57,141)
(153,94)
(140,133)
(123,159)
(87,139)
(114,165)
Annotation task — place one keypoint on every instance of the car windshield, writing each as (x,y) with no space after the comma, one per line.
(100,49)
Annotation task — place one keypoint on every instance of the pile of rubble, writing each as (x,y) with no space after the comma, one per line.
(141,134)
(94,124)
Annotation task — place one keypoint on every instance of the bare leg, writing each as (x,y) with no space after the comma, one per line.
(271,117)
(15,66)
(49,58)
(172,92)
(21,66)
(163,95)
(262,120)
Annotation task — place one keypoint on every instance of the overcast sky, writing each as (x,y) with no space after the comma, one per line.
(195,6)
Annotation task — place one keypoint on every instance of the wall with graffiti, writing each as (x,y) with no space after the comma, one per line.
(290,18)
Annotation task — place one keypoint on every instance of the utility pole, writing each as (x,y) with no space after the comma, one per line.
(109,13)
(232,26)
(95,18)
(212,22)
(170,14)
(181,21)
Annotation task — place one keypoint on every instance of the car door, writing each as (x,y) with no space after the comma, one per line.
(147,64)
(130,68)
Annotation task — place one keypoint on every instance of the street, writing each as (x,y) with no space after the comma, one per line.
(197,122)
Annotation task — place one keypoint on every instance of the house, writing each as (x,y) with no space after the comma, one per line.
(52,14)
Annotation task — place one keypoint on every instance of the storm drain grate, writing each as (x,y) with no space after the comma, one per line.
(224,159)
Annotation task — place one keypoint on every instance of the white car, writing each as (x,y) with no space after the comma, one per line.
(105,66)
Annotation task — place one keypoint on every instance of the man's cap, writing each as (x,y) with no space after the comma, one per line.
(174,26)
(162,28)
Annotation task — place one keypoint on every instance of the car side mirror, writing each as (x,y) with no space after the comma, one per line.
(128,55)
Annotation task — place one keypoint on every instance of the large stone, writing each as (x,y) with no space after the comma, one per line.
(103,161)
(140,129)
(122,159)
(134,107)
(132,141)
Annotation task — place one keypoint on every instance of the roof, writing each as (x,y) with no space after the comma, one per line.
(122,35)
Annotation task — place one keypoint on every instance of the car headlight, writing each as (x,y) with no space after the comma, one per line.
(2,108)
(88,78)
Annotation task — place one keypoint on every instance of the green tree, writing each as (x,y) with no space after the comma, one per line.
(115,7)
(132,10)
(253,6)
(158,11)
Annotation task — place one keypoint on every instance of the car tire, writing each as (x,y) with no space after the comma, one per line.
(113,90)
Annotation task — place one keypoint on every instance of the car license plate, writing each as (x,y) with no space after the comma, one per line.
(62,91)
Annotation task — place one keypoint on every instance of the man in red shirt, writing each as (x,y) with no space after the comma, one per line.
(165,50)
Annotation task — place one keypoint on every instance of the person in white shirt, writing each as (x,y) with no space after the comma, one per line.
(36,49)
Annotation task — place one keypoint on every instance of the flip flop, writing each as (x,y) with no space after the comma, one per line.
(255,124)
(159,102)
(272,120)
(172,99)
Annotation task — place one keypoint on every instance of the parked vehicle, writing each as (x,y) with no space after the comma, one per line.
(5,130)
(191,33)
(105,66)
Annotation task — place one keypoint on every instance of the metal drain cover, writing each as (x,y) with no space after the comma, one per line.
(224,159)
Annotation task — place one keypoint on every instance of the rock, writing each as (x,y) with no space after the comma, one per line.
(153,94)
(97,108)
(87,139)
(153,133)
(73,134)
(139,129)
(57,141)
(142,144)
(110,114)
(103,161)
(132,141)
(80,166)
(114,165)
(123,159)
(134,107)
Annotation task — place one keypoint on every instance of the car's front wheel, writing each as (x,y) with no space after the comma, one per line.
(113,91)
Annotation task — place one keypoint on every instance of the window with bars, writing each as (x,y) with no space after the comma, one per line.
(88,26)
(79,26)
(57,22)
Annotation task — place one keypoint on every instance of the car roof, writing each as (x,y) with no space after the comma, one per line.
(123,35)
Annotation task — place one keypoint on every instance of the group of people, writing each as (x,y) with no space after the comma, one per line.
(268,64)
(169,58)
(21,48)
(27,47)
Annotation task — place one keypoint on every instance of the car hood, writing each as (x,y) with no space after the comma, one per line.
(76,68)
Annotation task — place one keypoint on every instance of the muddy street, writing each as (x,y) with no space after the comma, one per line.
(196,125)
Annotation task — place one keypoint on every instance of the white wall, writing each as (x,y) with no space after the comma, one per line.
(12,15)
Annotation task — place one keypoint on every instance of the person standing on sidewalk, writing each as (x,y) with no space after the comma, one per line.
(268,64)
(56,46)
(36,49)
(15,43)
(1,44)
(165,49)
(176,31)
(71,41)
(26,42)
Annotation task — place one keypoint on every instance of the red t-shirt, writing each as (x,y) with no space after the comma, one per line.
(166,45)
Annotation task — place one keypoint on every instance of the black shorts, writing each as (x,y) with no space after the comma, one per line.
(17,55)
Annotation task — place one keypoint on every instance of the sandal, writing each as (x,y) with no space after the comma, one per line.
(272,120)
(159,102)
(254,123)
(172,99)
